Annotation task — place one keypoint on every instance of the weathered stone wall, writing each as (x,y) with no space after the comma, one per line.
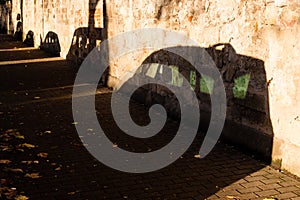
(263,34)
(7,17)
(60,17)
(266,30)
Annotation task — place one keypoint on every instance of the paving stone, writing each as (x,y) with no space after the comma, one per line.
(288,189)
(268,193)
(252,184)
(250,189)
(270,181)
(288,195)
(270,186)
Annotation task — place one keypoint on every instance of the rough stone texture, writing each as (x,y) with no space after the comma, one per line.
(70,172)
(267,30)
(261,29)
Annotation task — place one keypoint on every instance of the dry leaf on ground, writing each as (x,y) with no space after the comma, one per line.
(58,169)
(43,155)
(30,146)
(232,197)
(5,161)
(20,137)
(33,175)
(7,192)
(72,193)
(197,156)
(21,197)
(28,162)
(13,170)
(48,132)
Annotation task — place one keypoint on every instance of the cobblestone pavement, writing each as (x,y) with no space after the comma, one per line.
(41,156)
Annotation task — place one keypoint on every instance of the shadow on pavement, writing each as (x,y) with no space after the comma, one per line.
(39,75)
(52,149)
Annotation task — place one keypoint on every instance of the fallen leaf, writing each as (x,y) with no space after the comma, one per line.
(43,155)
(74,123)
(9,193)
(17,135)
(197,156)
(4,148)
(115,146)
(231,197)
(37,98)
(48,132)
(5,161)
(21,197)
(13,170)
(30,146)
(58,169)
(9,130)
(27,162)
(71,193)
(19,148)
(20,137)
(33,175)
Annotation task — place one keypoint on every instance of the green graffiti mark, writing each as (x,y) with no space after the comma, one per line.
(241,86)
(152,70)
(176,79)
(193,80)
(206,84)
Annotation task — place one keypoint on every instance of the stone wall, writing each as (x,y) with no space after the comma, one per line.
(6,17)
(263,37)
(264,30)
(59,18)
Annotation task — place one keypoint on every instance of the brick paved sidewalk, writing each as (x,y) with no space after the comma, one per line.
(51,163)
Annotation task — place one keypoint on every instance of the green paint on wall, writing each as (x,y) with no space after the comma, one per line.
(193,80)
(206,84)
(241,86)
(176,79)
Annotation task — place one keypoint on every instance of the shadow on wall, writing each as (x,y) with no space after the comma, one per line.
(29,40)
(85,39)
(6,23)
(51,43)
(248,123)
(81,46)
(19,29)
